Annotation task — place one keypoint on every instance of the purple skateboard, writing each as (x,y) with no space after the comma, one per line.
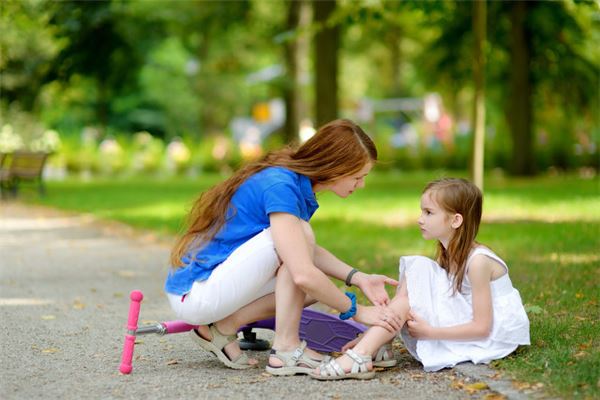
(322,332)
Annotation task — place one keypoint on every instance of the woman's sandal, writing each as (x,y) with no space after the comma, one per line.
(217,345)
(294,362)
(384,357)
(332,371)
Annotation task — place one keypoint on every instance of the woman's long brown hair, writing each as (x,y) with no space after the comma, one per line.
(339,148)
(457,196)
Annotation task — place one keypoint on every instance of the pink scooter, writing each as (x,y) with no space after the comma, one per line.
(323,332)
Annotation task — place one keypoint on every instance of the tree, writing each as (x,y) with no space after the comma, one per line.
(95,48)
(294,51)
(519,99)
(539,54)
(327,44)
(479,28)
(27,45)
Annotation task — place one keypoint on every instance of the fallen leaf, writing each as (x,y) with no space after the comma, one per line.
(538,386)
(50,350)
(48,317)
(476,387)
(457,384)
(417,375)
(172,362)
(78,305)
(521,385)
(494,396)
(495,376)
(584,346)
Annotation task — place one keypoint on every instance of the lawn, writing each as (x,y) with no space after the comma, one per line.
(547,229)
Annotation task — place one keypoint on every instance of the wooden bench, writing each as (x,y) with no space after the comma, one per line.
(19,167)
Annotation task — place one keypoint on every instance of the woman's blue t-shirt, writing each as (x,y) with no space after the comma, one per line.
(274,189)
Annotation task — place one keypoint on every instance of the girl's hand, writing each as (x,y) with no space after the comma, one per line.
(373,286)
(378,316)
(418,327)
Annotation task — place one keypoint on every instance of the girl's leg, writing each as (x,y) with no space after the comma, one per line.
(376,336)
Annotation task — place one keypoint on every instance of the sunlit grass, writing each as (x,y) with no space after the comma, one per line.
(547,229)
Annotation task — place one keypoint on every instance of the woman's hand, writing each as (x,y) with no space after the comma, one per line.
(373,286)
(378,316)
(418,327)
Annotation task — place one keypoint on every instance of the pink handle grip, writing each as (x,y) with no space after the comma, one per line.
(134,312)
(178,326)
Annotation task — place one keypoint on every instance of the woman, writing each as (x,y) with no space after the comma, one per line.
(249,251)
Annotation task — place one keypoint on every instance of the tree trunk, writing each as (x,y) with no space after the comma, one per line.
(393,39)
(102,105)
(520,107)
(327,41)
(293,51)
(479,29)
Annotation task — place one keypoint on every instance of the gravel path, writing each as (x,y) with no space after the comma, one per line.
(64,295)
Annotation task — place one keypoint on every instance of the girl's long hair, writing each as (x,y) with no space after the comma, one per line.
(457,196)
(339,148)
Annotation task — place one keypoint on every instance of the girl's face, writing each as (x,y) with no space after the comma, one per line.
(345,186)
(435,222)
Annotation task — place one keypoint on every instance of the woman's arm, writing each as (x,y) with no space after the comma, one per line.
(296,253)
(480,274)
(372,285)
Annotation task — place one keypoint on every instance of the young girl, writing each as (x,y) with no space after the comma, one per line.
(249,252)
(461,308)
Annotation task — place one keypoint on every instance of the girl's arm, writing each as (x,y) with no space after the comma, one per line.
(295,252)
(373,286)
(480,275)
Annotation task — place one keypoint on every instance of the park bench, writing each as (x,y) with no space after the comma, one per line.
(19,167)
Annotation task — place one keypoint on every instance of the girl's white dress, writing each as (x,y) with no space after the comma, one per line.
(430,296)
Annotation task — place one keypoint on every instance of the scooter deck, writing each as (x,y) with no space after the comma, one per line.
(322,332)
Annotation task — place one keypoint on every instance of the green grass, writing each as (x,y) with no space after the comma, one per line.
(547,229)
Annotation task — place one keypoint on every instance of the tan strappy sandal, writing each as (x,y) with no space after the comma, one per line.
(217,346)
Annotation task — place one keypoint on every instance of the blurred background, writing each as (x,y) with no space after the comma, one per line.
(165,88)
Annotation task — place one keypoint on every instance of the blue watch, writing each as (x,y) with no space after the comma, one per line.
(352,310)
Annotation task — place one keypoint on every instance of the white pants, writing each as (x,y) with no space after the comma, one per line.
(245,276)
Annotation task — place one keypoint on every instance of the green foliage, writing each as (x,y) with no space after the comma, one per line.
(180,68)
(27,46)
